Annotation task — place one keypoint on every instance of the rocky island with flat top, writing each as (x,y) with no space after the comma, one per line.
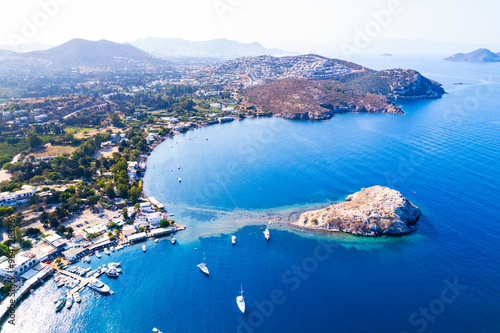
(373,211)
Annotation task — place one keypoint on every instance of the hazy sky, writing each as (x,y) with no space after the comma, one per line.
(267,21)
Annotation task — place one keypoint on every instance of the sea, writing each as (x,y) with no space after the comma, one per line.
(239,178)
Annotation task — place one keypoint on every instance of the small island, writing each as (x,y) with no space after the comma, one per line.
(373,211)
(479,56)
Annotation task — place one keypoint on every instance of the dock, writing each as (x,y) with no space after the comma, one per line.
(83,281)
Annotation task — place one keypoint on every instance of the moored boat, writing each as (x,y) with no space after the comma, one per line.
(112,272)
(144,248)
(69,302)
(99,286)
(173,240)
(60,303)
(97,254)
(107,251)
(76,296)
(233,239)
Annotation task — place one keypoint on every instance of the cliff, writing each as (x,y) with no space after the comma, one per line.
(372,211)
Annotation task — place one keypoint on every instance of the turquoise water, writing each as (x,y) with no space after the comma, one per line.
(443,155)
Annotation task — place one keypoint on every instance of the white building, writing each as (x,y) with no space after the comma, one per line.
(17,197)
(41,118)
(154,219)
(17,266)
(146,207)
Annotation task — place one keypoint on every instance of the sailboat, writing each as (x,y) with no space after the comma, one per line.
(241,301)
(203,266)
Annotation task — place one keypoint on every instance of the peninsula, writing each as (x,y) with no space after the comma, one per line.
(373,211)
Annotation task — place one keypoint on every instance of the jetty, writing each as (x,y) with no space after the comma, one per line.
(84,281)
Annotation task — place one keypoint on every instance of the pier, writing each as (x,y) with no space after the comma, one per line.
(83,281)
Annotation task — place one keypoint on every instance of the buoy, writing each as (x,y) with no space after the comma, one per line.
(261,228)
(195,249)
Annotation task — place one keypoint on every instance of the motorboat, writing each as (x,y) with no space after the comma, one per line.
(173,240)
(144,248)
(112,272)
(267,234)
(76,296)
(156,240)
(107,251)
(99,286)
(60,303)
(241,301)
(97,254)
(87,259)
(233,239)
(69,302)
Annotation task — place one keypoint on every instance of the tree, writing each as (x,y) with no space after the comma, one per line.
(18,235)
(26,244)
(44,218)
(164,223)
(33,140)
(115,120)
(125,213)
(141,229)
(134,193)
(54,223)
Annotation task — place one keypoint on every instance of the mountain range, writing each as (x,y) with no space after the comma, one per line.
(479,55)
(216,48)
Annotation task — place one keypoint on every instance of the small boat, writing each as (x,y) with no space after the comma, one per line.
(203,267)
(99,286)
(97,254)
(233,239)
(178,167)
(87,259)
(156,240)
(144,248)
(112,249)
(173,240)
(107,251)
(179,179)
(76,296)
(69,302)
(267,234)
(241,301)
(112,273)
(60,303)
(172,214)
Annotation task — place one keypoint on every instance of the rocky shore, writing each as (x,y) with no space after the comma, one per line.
(373,211)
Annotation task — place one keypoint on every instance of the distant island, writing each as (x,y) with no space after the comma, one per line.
(373,211)
(479,56)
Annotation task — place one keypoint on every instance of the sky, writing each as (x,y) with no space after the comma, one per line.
(270,22)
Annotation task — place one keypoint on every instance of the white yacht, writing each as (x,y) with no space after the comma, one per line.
(203,267)
(99,286)
(112,249)
(97,254)
(76,296)
(267,234)
(69,302)
(87,259)
(144,248)
(179,179)
(112,272)
(156,240)
(173,240)
(233,239)
(107,251)
(241,301)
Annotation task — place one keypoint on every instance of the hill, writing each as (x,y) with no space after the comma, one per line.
(216,48)
(300,98)
(80,51)
(479,56)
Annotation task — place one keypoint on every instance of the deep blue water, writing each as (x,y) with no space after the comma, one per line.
(443,155)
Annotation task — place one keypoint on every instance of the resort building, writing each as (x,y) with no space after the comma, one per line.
(154,219)
(17,197)
(21,264)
